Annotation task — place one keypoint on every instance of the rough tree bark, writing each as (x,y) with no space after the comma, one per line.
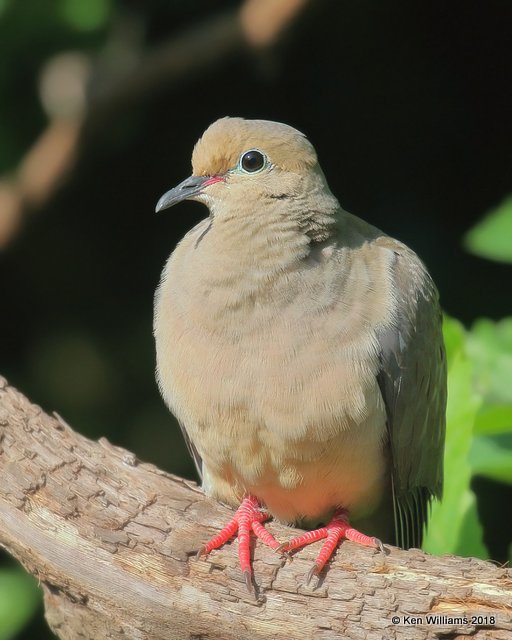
(112,542)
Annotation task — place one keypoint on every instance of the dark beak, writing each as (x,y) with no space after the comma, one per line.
(186,190)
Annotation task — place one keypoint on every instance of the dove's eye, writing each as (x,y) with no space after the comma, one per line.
(252,161)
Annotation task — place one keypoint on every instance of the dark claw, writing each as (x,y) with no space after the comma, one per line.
(379,545)
(281,550)
(314,571)
(248,581)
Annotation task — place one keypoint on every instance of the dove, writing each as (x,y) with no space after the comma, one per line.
(300,349)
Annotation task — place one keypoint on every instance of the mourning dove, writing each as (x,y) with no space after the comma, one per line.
(300,349)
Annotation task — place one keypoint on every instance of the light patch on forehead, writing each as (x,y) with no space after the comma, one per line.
(222,144)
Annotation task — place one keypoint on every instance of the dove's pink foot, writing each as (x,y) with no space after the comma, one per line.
(336,530)
(248,516)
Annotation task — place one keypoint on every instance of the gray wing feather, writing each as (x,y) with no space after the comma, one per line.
(412,380)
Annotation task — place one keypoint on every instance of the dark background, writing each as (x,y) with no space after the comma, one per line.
(407,103)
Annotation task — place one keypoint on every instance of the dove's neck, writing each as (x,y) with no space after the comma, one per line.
(258,244)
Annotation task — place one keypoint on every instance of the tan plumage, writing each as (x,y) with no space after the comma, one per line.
(299,347)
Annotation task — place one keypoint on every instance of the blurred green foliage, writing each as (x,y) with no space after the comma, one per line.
(454,526)
(479,413)
(30,33)
(85,16)
(490,348)
(492,237)
(19,599)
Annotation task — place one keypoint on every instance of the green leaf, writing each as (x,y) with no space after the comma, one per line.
(493,419)
(454,336)
(490,347)
(454,526)
(3,5)
(86,16)
(492,237)
(491,456)
(19,598)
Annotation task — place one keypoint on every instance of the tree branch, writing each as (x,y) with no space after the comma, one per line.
(111,541)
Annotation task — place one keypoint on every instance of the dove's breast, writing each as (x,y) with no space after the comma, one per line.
(274,380)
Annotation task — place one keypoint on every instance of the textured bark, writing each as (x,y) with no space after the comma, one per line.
(112,542)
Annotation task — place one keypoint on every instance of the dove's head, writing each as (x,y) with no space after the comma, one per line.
(242,167)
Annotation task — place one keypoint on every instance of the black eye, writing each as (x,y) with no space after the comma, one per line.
(252,161)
